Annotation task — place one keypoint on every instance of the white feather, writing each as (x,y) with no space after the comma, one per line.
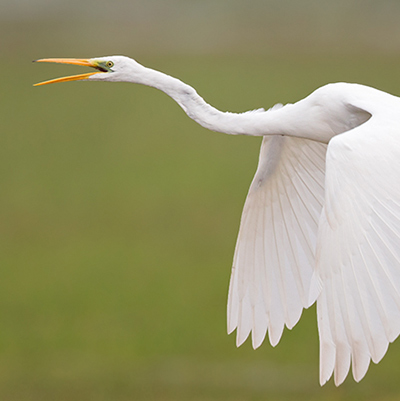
(358,257)
(274,257)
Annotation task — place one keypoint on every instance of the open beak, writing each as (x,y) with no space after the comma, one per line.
(76,61)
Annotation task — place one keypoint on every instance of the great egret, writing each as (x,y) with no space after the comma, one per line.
(321,221)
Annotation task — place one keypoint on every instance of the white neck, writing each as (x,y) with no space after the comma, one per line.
(305,119)
(197,109)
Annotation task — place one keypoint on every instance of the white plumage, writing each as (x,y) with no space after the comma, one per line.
(278,230)
(321,221)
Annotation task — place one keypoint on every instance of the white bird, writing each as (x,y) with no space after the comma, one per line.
(321,221)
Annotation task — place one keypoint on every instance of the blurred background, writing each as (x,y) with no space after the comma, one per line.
(119,215)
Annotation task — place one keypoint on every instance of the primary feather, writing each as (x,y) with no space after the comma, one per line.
(274,256)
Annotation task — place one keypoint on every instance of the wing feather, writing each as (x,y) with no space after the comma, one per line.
(358,250)
(275,251)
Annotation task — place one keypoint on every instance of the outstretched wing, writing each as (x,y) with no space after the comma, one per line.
(358,250)
(275,251)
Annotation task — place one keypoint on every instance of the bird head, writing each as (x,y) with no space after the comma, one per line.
(113,69)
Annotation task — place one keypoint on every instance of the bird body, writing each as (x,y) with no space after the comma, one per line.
(321,221)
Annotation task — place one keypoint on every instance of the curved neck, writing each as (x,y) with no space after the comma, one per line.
(200,111)
(310,118)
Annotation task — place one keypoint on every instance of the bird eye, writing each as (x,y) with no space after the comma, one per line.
(110,64)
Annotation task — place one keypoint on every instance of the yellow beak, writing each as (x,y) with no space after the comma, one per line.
(75,61)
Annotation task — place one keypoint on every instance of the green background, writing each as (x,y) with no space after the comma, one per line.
(119,215)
